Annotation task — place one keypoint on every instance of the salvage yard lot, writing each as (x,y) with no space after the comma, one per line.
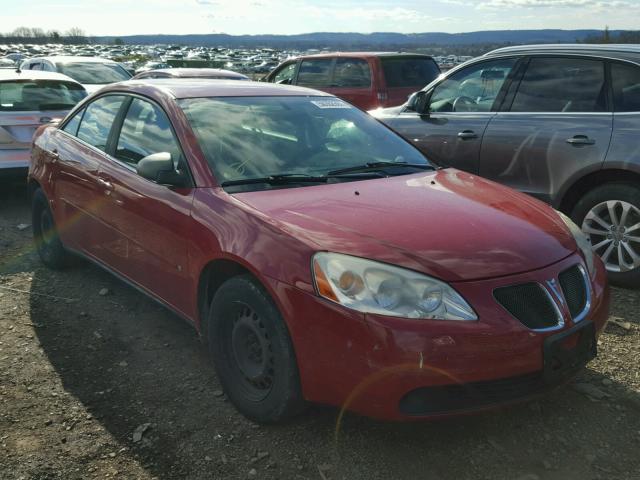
(86,362)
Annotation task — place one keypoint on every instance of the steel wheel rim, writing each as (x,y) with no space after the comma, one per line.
(252,354)
(614,230)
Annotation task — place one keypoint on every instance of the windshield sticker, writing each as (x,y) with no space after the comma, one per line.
(330,103)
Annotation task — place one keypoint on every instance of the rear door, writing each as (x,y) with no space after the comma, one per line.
(458,110)
(78,148)
(352,81)
(152,221)
(557,124)
(404,75)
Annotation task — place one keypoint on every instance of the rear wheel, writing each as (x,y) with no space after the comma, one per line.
(610,216)
(252,352)
(45,235)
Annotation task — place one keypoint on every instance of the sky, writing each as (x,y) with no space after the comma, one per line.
(125,17)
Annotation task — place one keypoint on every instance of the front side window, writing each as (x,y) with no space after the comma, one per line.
(352,73)
(94,73)
(39,95)
(626,87)
(146,130)
(315,72)
(97,120)
(473,89)
(285,75)
(558,84)
(249,137)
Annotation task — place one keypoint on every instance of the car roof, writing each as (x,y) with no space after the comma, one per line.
(71,59)
(7,74)
(197,72)
(622,51)
(201,87)
(363,55)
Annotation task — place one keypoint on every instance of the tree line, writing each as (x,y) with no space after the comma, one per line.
(40,36)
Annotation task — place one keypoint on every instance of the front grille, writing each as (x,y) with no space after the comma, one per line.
(574,289)
(451,398)
(529,303)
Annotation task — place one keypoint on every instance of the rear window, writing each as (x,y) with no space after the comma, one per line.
(626,87)
(39,95)
(409,72)
(94,73)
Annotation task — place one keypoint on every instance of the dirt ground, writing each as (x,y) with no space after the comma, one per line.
(96,385)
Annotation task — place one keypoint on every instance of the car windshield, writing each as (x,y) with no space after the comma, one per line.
(254,137)
(39,95)
(409,71)
(94,73)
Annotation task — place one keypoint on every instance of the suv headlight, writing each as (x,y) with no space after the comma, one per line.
(584,244)
(373,287)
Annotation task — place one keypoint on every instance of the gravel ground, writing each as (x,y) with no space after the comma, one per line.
(97,381)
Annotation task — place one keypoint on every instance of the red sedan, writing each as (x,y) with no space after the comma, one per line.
(321,255)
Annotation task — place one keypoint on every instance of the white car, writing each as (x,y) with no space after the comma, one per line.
(92,72)
(29,99)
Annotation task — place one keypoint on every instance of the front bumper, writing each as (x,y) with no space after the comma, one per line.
(371,364)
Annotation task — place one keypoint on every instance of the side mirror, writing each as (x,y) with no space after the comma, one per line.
(417,102)
(159,168)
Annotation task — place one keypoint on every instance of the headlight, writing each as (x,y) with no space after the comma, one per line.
(373,287)
(584,244)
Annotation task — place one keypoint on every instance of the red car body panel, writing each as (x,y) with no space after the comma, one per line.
(473,233)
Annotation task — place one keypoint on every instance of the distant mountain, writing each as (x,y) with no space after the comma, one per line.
(364,40)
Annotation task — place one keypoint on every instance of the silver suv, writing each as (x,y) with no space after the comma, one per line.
(560,122)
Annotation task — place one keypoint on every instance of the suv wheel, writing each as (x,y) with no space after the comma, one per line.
(252,352)
(610,216)
(45,235)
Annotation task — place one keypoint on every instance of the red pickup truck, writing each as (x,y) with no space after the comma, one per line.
(368,80)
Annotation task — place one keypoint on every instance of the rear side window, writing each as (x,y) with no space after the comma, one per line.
(146,130)
(315,72)
(98,119)
(352,72)
(71,127)
(39,95)
(414,72)
(561,85)
(626,87)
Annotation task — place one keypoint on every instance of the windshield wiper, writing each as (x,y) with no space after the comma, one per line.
(280,179)
(380,165)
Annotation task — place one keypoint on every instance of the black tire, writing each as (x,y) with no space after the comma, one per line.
(253,353)
(45,235)
(622,192)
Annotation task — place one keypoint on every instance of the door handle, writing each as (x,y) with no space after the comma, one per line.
(54,156)
(580,140)
(467,135)
(108,186)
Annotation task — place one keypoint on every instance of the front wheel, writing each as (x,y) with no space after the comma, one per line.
(252,352)
(45,234)
(610,216)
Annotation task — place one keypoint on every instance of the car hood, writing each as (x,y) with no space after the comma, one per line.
(448,224)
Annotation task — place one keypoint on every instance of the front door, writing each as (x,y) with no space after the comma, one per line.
(152,220)
(555,125)
(450,129)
